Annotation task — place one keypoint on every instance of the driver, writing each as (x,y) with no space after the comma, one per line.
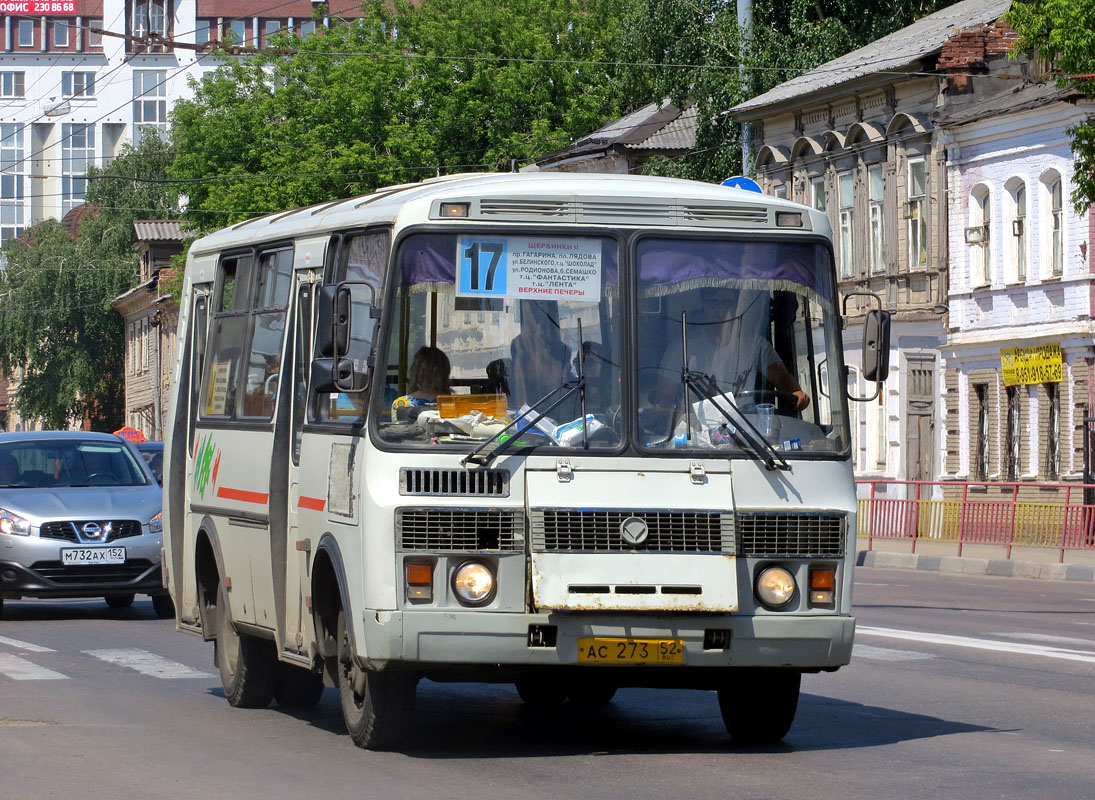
(719,347)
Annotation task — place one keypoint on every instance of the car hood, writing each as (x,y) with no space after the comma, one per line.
(91,502)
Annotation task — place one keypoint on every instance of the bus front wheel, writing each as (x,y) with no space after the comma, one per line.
(760,706)
(376,706)
(247,664)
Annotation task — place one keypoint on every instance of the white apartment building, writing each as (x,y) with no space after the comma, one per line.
(78,78)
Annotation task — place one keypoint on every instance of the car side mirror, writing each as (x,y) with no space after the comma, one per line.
(333,326)
(876,345)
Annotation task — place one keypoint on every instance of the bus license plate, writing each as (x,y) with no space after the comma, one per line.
(71,556)
(630,651)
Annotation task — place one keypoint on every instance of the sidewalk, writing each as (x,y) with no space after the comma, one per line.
(966,565)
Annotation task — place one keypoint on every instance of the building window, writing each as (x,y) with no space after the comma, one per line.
(78,84)
(817,194)
(882,445)
(307,29)
(874,197)
(846,194)
(977,236)
(271,28)
(26,33)
(1053,432)
(11,181)
(12,84)
(781,191)
(94,37)
(237,30)
(915,210)
(981,451)
(201,32)
(149,103)
(149,18)
(1019,232)
(1056,230)
(1013,435)
(60,33)
(77,153)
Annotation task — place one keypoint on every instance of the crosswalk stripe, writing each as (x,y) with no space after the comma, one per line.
(147,663)
(873,653)
(1047,638)
(979,644)
(30,648)
(20,669)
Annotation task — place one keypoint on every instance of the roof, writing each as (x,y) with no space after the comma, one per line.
(897,52)
(1021,98)
(656,126)
(12,436)
(158,230)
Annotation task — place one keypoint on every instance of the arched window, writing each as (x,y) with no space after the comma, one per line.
(1016,239)
(1052,219)
(977,236)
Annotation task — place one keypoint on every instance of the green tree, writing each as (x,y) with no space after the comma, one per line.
(1063,32)
(406,92)
(56,319)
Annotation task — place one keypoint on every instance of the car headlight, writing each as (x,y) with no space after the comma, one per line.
(13,523)
(473,583)
(775,587)
(155,525)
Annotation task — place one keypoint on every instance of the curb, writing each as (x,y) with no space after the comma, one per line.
(996,567)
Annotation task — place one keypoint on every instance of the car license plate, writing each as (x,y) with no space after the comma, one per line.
(630,651)
(71,556)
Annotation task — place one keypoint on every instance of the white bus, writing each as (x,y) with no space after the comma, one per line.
(571,432)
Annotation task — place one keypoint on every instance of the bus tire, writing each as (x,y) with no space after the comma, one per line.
(247,664)
(163,606)
(119,600)
(541,693)
(297,687)
(760,707)
(595,693)
(379,717)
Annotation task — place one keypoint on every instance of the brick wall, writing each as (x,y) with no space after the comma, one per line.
(969,49)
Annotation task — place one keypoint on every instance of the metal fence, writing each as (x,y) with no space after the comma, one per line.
(952,511)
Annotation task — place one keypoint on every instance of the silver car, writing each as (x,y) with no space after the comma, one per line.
(80,516)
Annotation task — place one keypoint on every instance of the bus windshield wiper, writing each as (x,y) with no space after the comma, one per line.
(567,389)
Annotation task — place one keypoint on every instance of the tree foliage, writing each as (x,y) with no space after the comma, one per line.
(406,92)
(56,319)
(1063,31)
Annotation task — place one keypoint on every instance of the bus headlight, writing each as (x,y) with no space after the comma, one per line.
(775,587)
(473,583)
(13,523)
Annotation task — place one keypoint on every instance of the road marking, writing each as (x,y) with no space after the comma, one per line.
(148,663)
(873,653)
(980,644)
(1045,637)
(32,648)
(19,669)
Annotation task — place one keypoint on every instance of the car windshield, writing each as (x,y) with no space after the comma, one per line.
(485,327)
(39,463)
(735,339)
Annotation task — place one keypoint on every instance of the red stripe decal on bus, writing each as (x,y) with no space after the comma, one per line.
(243,495)
(312,503)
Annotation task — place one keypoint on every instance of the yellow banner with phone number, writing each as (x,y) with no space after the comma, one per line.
(1041,363)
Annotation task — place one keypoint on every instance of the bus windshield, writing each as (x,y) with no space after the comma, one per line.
(485,327)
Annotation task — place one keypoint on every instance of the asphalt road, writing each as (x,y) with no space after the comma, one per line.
(959,687)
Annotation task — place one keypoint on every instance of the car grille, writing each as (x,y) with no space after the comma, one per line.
(460,529)
(119,529)
(556,530)
(95,574)
(797,535)
(454,482)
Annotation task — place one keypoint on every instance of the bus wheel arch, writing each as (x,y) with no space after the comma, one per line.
(329,596)
(207,575)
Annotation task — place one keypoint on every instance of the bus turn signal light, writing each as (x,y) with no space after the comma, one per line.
(822,585)
(420,582)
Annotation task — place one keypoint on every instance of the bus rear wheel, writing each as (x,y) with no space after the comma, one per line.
(248,665)
(760,707)
(376,706)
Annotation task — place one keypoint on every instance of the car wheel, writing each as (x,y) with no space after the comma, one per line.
(247,664)
(163,606)
(1,607)
(544,693)
(119,600)
(592,694)
(297,687)
(760,707)
(380,716)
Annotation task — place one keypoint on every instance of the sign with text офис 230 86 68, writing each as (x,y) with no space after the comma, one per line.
(38,7)
(1041,363)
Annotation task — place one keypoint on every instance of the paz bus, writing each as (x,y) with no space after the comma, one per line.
(569,432)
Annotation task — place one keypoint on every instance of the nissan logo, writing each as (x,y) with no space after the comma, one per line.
(94,531)
(634,530)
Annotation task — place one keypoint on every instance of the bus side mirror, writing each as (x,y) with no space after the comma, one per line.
(333,327)
(876,345)
(331,375)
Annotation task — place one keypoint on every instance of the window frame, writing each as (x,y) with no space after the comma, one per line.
(846,223)
(876,218)
(918,231)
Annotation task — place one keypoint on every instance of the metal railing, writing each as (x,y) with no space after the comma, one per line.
(963,513)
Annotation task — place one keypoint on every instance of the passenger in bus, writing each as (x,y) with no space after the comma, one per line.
(497,381)
(541,362)
(429,377)
(720,347)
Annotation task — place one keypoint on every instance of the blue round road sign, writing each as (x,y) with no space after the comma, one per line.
(741,182)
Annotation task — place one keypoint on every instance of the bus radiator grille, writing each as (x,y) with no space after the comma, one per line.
(794,535)
(454,482)
(599,531)
(460,529)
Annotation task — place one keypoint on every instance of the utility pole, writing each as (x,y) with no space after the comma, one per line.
(745,33)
